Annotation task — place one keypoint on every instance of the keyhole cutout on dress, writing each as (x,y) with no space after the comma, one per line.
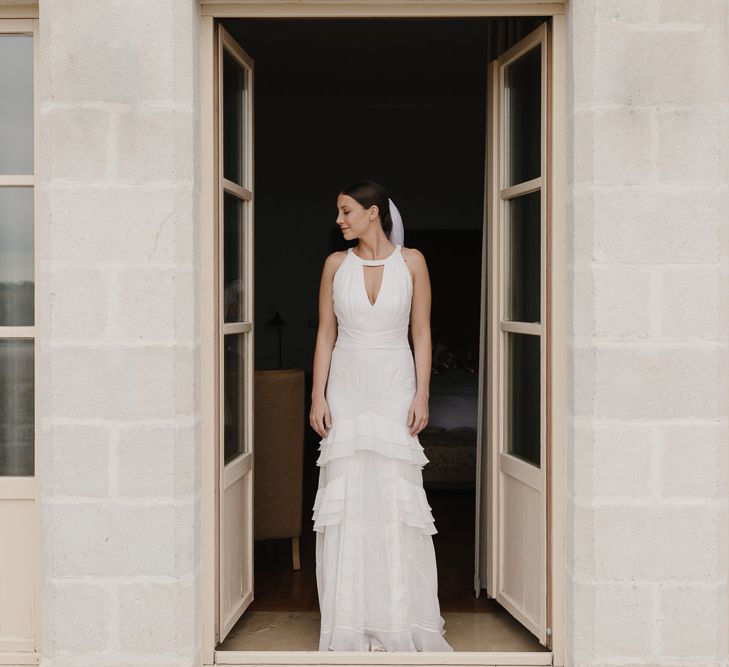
(371,279)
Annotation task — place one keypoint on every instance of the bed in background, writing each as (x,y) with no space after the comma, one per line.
(449,439)
(454,266)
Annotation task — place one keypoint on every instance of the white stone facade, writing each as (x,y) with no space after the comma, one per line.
(647,529)
(648,453)
(120,342)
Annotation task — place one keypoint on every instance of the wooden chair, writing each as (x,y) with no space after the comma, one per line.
(278,459)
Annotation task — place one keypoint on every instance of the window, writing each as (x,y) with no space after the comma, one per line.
(17,250)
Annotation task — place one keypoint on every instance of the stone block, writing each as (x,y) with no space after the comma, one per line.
(77,460)
(81,616)
(659,543)
(690,300)
(695,460)
(156,461)
(657,383)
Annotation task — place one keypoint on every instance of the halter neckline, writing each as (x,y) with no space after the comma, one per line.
(374,262)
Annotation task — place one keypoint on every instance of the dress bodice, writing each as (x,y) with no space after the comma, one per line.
(384,323)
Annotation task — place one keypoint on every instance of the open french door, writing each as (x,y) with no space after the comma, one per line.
(513,481)
(234,226)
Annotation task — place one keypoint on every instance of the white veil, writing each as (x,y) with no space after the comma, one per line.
(397,233)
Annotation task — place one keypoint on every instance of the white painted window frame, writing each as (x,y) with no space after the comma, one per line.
(20,496)
(240,470)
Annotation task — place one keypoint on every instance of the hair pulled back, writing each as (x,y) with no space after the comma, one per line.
(370,193)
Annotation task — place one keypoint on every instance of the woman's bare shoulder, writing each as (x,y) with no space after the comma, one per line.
(413,256)
(334,260)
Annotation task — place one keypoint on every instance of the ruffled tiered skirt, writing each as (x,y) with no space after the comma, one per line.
(375,561)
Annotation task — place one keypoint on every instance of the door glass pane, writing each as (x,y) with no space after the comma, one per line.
(16,104)
(523,392)
(523,82)
(234,402)
(17,279)
(234,119)
(523,242)
(234,264)
(17,407)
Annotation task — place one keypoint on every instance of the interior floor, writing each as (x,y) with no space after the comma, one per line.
(285,612)
(299,631)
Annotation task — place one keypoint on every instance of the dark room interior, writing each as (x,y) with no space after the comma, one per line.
(401,102)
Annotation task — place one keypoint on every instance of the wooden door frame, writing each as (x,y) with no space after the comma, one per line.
(557,297)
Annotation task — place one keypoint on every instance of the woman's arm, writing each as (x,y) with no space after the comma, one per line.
(420,332)
(325,338)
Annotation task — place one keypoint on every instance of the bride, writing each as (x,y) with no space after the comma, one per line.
(375,561)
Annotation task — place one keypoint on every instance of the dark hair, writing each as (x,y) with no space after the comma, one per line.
(369,193)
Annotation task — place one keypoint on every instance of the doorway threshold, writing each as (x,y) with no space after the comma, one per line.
(481,658)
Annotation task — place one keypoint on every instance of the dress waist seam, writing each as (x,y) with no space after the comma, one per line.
(372,347)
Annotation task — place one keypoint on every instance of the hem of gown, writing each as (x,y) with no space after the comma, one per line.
(412,638)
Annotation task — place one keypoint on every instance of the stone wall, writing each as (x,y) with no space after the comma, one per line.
(119,333)
(647,560)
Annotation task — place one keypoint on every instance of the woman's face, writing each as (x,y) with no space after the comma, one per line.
(353,219)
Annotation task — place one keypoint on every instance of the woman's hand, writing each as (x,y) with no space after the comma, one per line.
(319,417)
(418,414)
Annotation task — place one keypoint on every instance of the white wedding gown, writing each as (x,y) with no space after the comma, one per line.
(375,562)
